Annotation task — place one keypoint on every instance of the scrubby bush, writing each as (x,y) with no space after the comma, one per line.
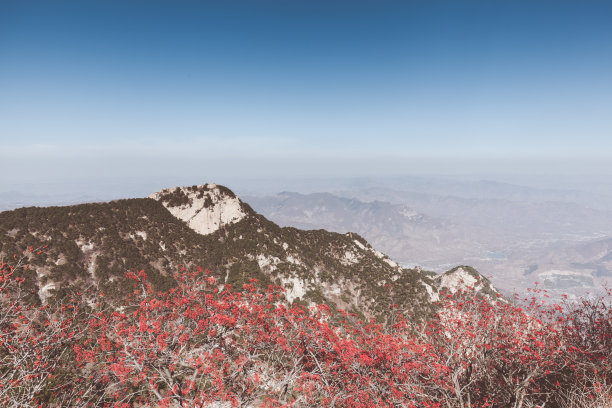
(203,344)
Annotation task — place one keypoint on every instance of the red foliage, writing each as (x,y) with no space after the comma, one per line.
(197,345)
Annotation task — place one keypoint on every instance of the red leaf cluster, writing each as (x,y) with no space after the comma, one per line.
(198,345)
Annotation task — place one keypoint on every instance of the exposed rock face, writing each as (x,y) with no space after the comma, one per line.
(466,278)
(204,208)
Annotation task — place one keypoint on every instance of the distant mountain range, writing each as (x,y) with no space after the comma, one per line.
(560,244)
(405,234)
(208,225)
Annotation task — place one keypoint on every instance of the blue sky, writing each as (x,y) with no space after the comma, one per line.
(142,89)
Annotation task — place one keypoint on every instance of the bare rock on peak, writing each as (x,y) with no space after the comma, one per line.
(466,278)
(205,208)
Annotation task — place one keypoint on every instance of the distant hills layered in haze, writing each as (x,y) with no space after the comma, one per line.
(519,235)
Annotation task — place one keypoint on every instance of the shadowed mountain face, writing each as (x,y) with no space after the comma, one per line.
(208,226)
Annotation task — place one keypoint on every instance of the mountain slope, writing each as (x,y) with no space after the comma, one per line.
(94,244)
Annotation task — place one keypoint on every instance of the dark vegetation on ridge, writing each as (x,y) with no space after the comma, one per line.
(94,244)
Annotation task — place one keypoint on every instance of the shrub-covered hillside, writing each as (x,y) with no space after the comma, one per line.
(94,244)
(195,345)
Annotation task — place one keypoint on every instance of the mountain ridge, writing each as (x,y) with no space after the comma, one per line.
(207,225)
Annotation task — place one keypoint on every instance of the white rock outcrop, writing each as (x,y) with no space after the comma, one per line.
(208,207)
(459,279)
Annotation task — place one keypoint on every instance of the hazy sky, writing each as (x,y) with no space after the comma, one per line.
(205,89)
